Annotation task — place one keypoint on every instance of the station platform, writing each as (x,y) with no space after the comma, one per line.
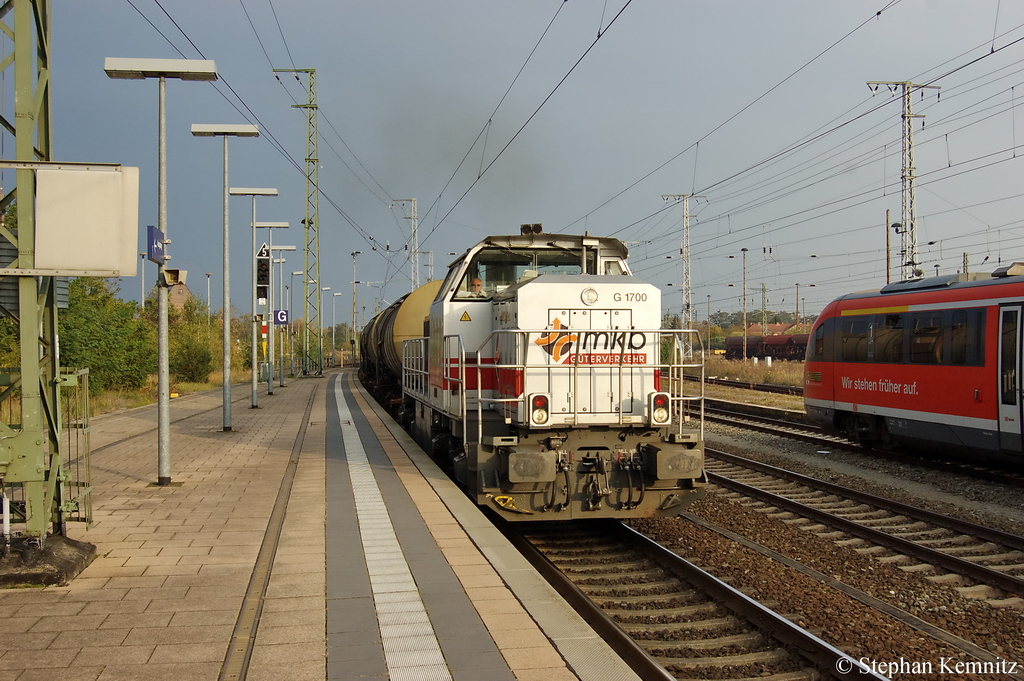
(313,541)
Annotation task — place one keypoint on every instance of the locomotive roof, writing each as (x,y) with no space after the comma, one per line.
(607,244)
(1003,275)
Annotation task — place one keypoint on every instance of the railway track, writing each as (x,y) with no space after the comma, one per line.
(759,387)
(783,423)
(668,618)
(979,561)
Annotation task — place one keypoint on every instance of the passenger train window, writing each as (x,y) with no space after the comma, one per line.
(926,338)
(855,339)
(1008,359)
(958,338)
(882,338)
(888,338)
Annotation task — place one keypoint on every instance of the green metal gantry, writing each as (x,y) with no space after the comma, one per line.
(30,437)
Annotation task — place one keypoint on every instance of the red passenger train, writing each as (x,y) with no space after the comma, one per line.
(930,363)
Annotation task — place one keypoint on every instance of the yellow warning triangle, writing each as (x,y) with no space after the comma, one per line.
(465,317)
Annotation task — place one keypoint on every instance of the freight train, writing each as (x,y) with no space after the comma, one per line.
(777,346)
(931,363)
(536,373)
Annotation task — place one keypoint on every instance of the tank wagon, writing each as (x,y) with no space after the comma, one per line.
(777,346)
(537,374)
(931,363)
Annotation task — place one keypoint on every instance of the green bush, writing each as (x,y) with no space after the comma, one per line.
(103,333)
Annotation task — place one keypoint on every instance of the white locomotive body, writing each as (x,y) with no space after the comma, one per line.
(545,383)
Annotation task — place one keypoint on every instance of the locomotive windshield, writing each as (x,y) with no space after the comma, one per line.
(494,269)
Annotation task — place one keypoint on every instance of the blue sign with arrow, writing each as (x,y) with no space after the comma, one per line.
(155,247)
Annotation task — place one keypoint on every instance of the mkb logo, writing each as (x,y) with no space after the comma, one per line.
(557,343)
(560,342)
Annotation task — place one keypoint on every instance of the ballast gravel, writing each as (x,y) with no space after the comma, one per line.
(879,640)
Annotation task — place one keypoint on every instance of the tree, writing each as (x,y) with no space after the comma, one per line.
(190,352)
(103,333)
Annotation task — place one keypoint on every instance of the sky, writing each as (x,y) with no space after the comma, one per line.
(577,115)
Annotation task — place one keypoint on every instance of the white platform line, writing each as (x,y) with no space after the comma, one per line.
(411,650)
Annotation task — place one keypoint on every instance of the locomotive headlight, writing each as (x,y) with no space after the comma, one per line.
(539,409)
(659,409)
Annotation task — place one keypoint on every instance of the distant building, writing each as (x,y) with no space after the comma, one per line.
(178,295)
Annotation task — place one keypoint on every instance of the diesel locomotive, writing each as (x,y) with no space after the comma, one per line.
(536,373)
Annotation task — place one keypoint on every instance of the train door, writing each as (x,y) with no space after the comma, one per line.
(595,383)
(1009,378)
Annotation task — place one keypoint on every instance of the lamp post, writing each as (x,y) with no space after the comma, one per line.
(225,131)
(162,69)
(745,304)
(354,283)
(142,276)
(280,289)
(253,192)
(291,320)
(334,326)
(269,304)
(322,288)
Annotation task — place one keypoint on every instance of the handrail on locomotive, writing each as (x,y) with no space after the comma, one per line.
(681,371)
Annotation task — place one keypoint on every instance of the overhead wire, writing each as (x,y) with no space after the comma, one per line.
(486,127)
(729,119)
(534,114)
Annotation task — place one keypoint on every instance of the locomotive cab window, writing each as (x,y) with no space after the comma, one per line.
(816,348)
(493,270)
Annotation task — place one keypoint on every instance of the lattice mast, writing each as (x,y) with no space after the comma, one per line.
(33,447)
(414,241)
(312,354)
(908,227)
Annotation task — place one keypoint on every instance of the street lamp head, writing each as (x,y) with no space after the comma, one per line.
(252,191)
(295,274)
(226,130)
(138,69)
(271,225)
(325,288)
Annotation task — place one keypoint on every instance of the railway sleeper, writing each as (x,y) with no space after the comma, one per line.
(980,592)
(727,622)
(948,579)
(931,532)
(874,550)
(654,603)
(943,542)
(972,551)
(1008,568)
(629,576)
(641,617)
(773,656)
(670,586)
(601,568)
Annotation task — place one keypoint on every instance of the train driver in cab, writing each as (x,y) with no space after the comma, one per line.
(476,290)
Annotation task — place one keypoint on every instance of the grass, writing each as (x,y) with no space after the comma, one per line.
(115,400)
(779,373)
